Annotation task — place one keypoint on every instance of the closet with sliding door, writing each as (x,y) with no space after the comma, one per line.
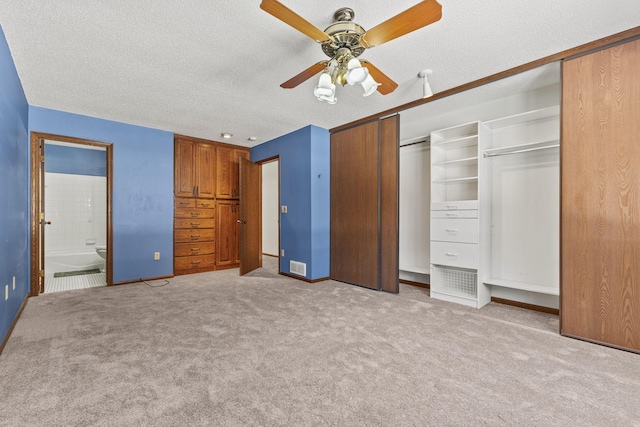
(601,197)
(494,191)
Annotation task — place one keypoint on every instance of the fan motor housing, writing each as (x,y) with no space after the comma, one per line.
(344,34)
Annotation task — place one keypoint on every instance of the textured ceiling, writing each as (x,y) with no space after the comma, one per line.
(202,67)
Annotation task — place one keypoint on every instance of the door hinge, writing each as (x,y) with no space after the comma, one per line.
(41,216)
(41,158)
(41,273)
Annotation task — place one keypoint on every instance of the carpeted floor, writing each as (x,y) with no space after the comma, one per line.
(222,350)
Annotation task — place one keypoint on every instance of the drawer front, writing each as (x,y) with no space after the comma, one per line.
(194,262)
(190,249)
(454,230)
(186,236)
(453,206)
(463,255)
(194,223)
(194,213)
(185,203)
(455,214)
(205,204)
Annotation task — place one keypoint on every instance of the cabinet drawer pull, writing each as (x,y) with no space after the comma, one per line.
(452,215)
(450,254)
(195,224)
(195,213)
(195,262)
(195,249)
(206,205)
(452,206)
(195,236)
(452,230)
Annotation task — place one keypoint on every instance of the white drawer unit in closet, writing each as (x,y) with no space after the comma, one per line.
(454,206)
(452,254)
(454,230)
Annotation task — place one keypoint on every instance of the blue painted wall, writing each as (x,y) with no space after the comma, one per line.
(304,189)
(142,188)
(75,161)
(14,196)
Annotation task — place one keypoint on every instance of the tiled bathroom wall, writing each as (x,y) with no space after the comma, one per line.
(76,205)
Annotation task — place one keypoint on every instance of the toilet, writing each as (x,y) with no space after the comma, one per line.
(102,251)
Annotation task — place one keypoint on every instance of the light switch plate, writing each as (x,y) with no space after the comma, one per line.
(283,208)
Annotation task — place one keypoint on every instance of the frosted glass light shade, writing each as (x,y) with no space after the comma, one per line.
(356,73)
(369,85)
(325,87)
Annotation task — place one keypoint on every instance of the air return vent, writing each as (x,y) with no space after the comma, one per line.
(299,268)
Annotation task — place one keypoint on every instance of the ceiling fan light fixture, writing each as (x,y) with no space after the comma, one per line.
(369,85)
(325,87)
(328,99)
(356,73)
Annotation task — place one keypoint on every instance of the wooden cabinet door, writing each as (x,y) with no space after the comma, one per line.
(204,160)
(184,176)
(227,230)
(224,183)
(600,206)
(235,171)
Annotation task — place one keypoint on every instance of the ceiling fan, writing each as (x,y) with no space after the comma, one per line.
(344,40)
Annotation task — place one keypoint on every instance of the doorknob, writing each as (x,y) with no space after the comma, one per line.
(238,221)
(47,222)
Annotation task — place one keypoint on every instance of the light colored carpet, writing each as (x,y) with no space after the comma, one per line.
(218,349)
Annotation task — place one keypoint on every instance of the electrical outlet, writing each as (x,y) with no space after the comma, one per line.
(281,252)
(283,208)
(14,283)
(6,292)
(156,256)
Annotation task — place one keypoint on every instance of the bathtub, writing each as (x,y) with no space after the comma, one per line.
(72,260)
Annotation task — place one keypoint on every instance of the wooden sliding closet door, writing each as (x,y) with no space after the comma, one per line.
(364,205)
(600,180)
(354,205)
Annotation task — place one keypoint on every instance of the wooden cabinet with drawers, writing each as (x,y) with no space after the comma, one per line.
(194,235)
(206,212)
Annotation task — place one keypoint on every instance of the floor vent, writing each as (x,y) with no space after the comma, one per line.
(299,268)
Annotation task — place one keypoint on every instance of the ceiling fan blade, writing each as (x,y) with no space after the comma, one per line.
(424,13)
(288,16)
(386,84)
(305,75)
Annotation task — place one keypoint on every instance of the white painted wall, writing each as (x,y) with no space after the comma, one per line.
(270,209)
(415,197)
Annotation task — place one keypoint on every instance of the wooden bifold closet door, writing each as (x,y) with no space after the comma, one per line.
(364,205)
(600,183)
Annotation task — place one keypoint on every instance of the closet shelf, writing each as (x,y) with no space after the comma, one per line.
(528,116)
(458,162)
(461,142)
(457,180)
(531,287)
(521,148)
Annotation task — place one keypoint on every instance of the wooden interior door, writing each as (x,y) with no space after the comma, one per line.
(600,207)
(250,216)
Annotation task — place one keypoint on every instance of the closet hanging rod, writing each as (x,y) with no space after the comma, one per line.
(525,150)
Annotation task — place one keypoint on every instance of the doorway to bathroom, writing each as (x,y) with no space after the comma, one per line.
(71,213)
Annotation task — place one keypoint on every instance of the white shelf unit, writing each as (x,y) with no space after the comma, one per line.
(459,184)
(523,162)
